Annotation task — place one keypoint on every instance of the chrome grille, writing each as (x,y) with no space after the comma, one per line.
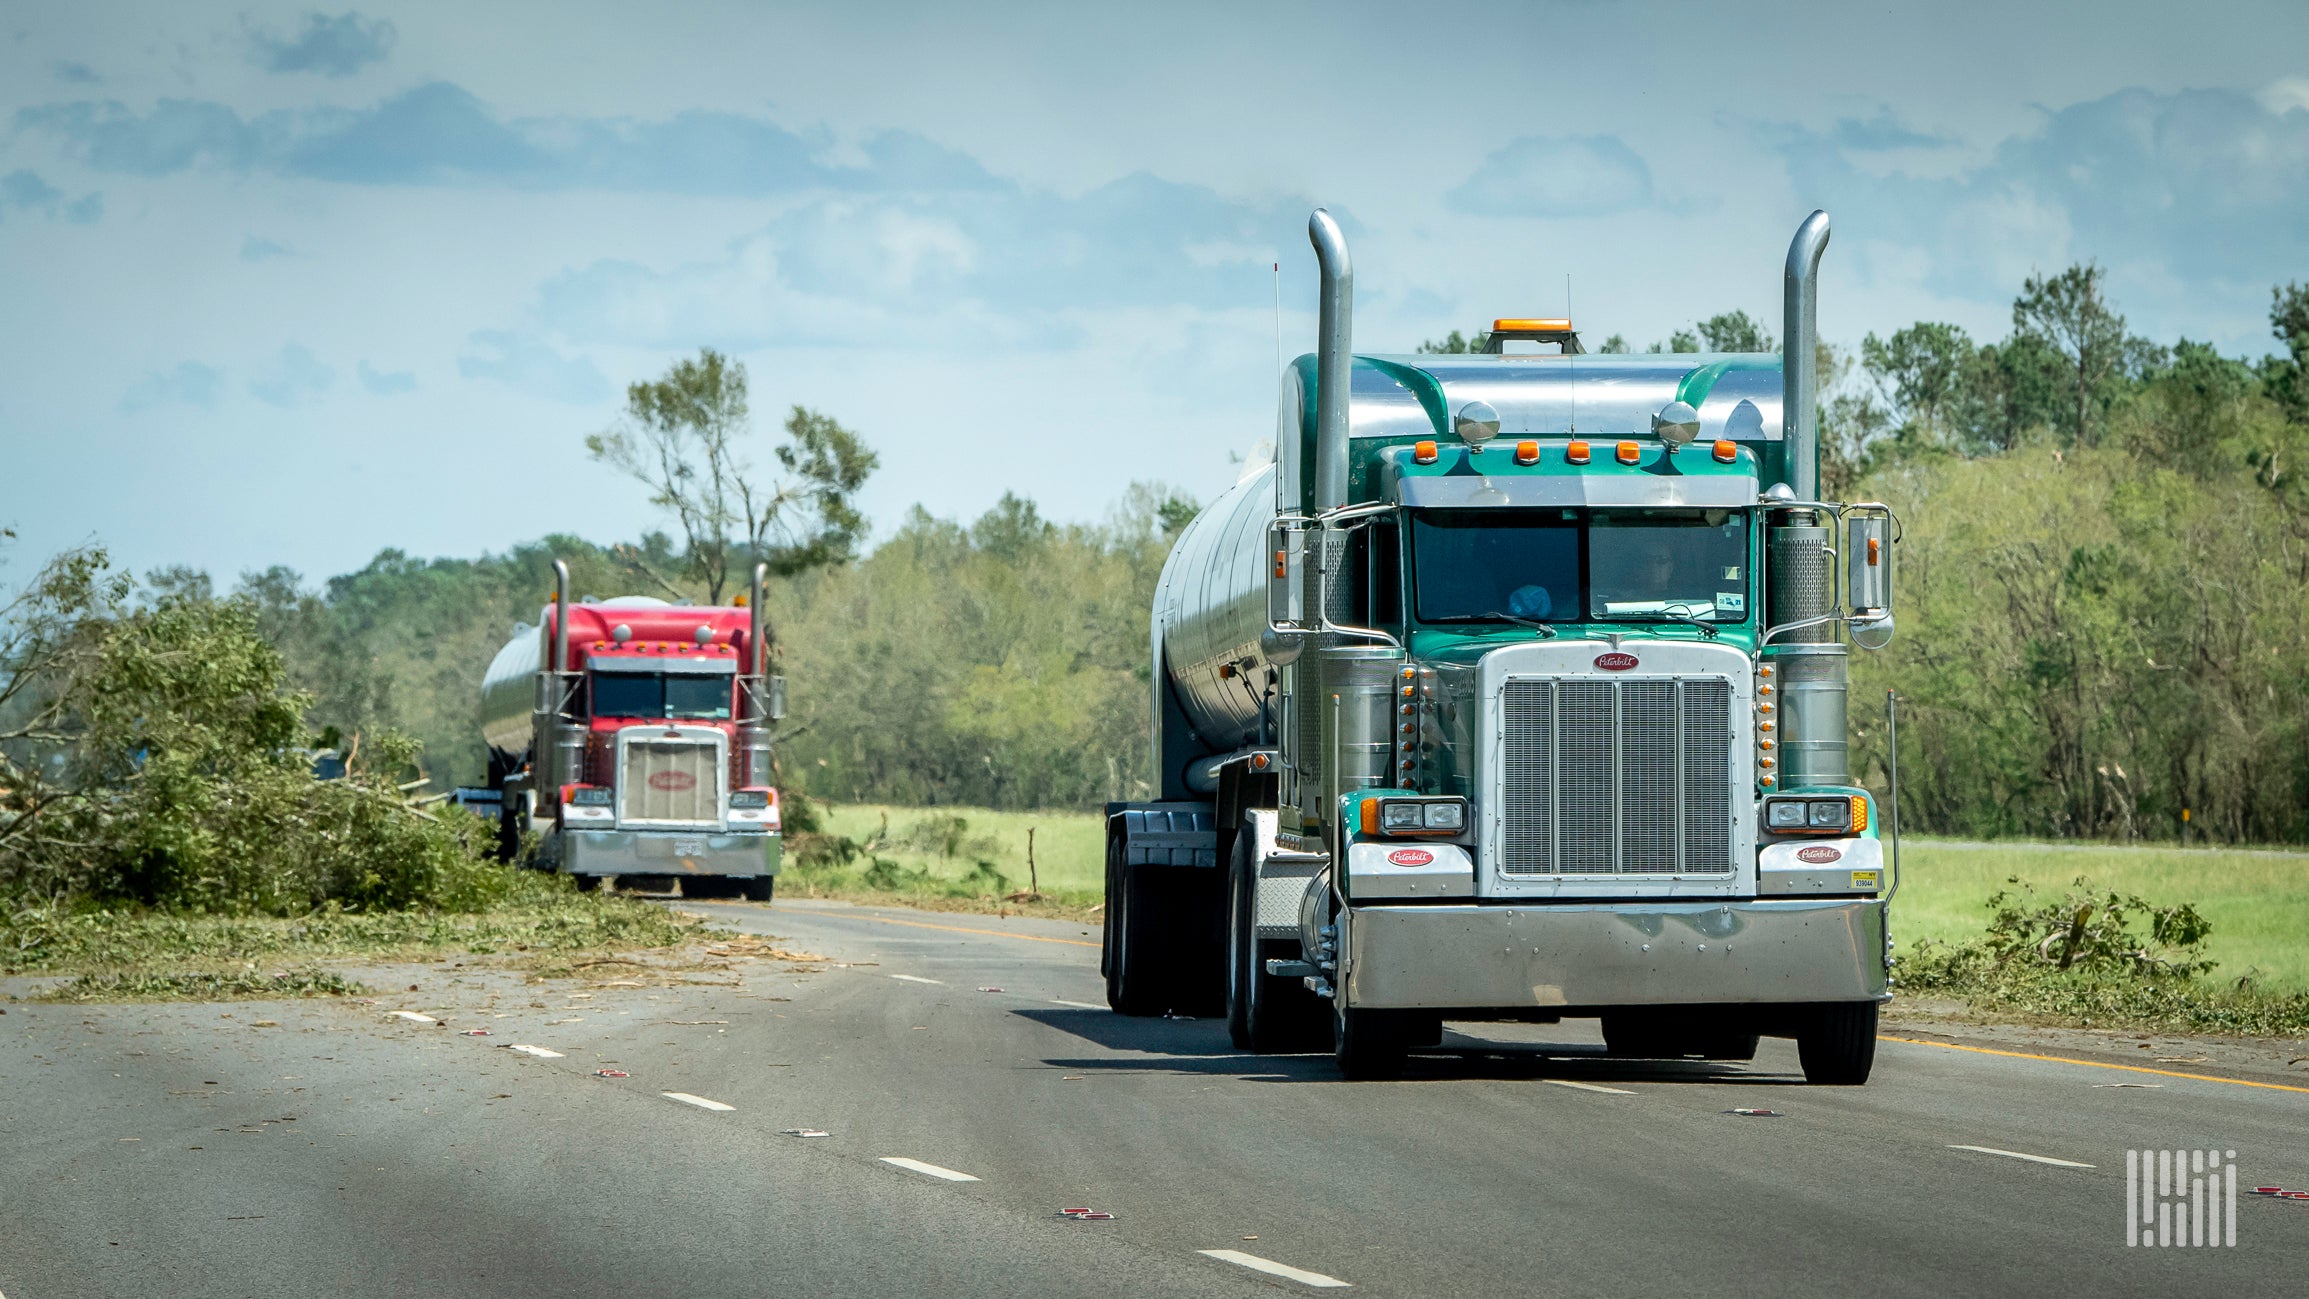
(671,779)
(1616,777)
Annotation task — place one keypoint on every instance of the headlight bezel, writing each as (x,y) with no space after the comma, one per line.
(1417,817)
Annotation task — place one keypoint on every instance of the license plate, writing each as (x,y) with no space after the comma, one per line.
(689,847)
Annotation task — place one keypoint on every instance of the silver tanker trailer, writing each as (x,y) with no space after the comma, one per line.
(1514,689)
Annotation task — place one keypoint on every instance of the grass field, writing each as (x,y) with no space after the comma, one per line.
(2258,902)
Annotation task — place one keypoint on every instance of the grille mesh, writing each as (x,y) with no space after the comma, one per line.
(1617,777)
(670,781)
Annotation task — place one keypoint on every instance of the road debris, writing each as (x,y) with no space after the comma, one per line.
(803,1132)
(1086,1215)
(990,989)
(1757,1114)
(611,1073)
(2143,1086)
(473,1032)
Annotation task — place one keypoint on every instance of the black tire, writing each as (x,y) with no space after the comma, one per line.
(588,883)
(1138,971)
(1837,1044)
(1370,1045)
(509,828)
(761,888)
(1724,1044)
(708,886)
(1266,1014)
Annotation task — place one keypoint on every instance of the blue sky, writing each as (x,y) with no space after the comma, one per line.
(292,286)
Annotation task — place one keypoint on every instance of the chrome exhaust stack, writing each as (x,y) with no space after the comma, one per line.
(564,758)
(754,729)
(1800,363)
(1334,360)
(1814,745)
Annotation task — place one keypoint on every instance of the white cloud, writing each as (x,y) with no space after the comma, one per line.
(1557,176)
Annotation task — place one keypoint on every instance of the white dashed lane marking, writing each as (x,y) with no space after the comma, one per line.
(414,1018)
(1078,1005)
(699,1101)
(2014,1154)
(1587,1087)
(542,1053)
(916,978)
(927,1170)
(1273,1268)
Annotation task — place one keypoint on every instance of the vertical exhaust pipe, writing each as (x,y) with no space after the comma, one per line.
(754,729)
(754,647)
(1334,359)
(560,662)
(1800,365)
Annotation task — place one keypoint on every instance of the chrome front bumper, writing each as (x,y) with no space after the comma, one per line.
(634,852)
(1623,954)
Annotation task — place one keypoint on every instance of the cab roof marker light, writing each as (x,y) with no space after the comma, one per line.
(1527,452)
(1423,453)
(1531,324)
(1628,451)
(1727,452)
(1576,453)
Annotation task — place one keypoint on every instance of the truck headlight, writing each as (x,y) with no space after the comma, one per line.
(1830,813)
(1438,816)
(1446,816)
(590,796)
(1784,814)
(1401,816)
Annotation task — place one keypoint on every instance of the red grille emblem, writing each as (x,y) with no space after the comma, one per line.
(673,782)
(1411,856)
(1615,661)
(1819,854)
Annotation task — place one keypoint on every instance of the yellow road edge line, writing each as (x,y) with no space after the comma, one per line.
(961,929)
(2094,1064)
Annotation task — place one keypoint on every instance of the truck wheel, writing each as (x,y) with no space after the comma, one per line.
(761,887)
(587,883)
(1837,1044)
(509,829)
(1266,1015)
(1370,1045)
(1138,976)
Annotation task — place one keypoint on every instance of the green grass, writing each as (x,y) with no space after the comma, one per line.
(2258,902)
(954,858)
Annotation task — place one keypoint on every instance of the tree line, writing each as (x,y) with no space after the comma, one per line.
(2104,547)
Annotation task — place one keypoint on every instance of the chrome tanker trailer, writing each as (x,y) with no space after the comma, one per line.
(1514,689)
(632,737)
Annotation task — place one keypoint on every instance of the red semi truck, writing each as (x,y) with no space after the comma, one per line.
(632,736)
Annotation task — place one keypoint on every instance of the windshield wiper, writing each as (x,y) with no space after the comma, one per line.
(1708,627)
(1540,627)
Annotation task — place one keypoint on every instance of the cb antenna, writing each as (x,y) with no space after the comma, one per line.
(1571,363)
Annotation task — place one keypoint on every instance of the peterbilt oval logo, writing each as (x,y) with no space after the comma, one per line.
(1819,854)
(1615,661)
(673,782)
(1411,856)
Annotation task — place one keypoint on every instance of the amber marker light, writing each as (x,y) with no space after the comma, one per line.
(1531,325)
(1727,452)
(1423,452)
(1576,453)
(1628,453)
(1859,814)
(1527,453)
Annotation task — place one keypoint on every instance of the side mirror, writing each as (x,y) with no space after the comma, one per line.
(1286,584)
(1867,565)
(1868,578)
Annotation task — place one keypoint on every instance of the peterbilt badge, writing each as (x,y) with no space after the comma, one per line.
(1819,854)
(1615,661)
(1411,857)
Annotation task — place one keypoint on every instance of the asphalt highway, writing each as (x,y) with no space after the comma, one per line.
(971,1086)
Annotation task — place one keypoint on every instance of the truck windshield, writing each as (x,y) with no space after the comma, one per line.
(1509,566)
(645,694)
